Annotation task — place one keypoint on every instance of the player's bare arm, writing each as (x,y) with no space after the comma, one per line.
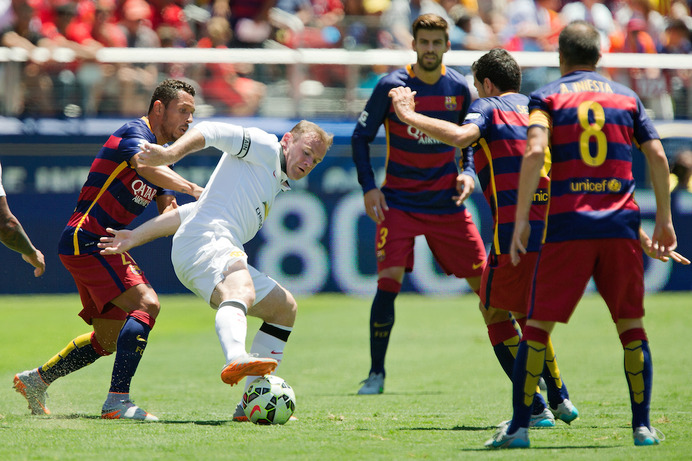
(529,175)
(374,204)
(663,240)
(125,239)
(156,155)
(442,130)
(165,177)
(12,235)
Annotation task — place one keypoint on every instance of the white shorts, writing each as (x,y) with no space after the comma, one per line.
(200,263)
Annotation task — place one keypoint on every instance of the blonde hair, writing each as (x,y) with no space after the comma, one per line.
(304,127)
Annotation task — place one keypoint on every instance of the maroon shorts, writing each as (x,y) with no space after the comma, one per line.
(564,268)
(100,279)
(507,287)
(453,239)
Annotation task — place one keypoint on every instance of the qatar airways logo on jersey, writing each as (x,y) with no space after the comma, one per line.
(422,138)
(143,193)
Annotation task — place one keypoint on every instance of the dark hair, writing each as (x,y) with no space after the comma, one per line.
(167,91)
(430,22)
(580,44)
(500,67)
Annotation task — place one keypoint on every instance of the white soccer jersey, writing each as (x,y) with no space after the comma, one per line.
(231,210)
(2,189)
(242,188)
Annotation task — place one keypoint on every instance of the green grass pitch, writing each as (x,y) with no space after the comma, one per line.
(444,391)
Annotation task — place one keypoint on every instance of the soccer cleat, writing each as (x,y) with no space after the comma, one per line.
(565,411)
(31,386)
(247,365)
(644,436)
(239,414)
(373,385)
(126,409)
(543,419)
(520,439)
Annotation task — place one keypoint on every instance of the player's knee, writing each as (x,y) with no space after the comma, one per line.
(284,313)
(150,306)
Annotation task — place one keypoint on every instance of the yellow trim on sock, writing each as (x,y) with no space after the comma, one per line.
(535,360)
(634,369)
(79,341)
(551,364)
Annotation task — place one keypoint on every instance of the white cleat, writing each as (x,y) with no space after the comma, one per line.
(31,386)
(373,385)
(126,409)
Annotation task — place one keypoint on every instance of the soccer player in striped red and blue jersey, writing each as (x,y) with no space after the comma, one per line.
(422,179)
(589,124)
(495,128)
(117,299)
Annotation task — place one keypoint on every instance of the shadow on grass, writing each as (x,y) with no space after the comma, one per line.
(455,428)
(196,422)
(553,447)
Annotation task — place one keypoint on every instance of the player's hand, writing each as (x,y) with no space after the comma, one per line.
(151,155)
(375,203)
(663,240)
(403,102)
(465,186)
(651,251)
(520,240)
(119,243)
(38,261)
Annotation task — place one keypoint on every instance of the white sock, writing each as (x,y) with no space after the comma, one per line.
(231,328)
(266,345)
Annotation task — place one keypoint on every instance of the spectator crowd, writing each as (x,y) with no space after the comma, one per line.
(80,84)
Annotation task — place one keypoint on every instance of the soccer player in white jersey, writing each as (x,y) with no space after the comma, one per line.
(207,253)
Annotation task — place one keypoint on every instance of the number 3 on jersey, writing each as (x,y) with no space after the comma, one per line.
(382,240)
(592,130)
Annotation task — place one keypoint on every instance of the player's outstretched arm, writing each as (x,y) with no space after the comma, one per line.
(165,177)
(156,155)
(442,130)
(124,239)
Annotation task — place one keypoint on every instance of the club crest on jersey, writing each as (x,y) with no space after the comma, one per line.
(134,268)
(451,103)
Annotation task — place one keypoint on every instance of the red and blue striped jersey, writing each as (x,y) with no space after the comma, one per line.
(113,194)
(420,171)
(593,123)
(497,155)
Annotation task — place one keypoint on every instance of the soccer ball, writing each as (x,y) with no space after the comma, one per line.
(269,400)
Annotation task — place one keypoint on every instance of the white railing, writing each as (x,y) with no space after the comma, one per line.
(292,97)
